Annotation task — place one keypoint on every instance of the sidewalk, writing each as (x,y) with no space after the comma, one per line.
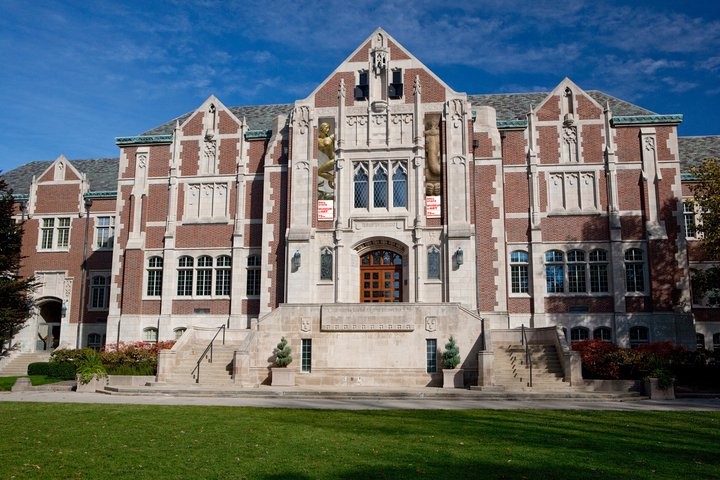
(375,399)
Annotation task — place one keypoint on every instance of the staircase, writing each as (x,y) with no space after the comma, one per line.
(17,367)
(513,373)
(218,373)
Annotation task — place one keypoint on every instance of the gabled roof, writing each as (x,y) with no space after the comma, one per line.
(102,174)
(694,150)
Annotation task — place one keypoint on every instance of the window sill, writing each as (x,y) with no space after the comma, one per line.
(197,221)
(571,213)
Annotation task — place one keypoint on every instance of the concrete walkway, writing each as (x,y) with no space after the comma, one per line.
(413,399)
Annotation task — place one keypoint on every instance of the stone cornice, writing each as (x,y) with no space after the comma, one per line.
(143,140)
(512,124)
(101,194)
(646,119)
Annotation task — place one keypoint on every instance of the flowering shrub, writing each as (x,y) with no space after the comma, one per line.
(137,358)
(599,359)
(605,360)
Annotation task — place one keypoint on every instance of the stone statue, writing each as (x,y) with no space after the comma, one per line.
(432,157)
(326,144)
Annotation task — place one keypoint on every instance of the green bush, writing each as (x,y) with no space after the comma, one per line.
(283,353)
(62,370)
(38,368)
(139,358)
(451,355)
(132,370)
(90,367)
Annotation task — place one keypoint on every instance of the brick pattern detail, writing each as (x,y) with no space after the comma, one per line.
(485,147)
(228,155)
(256,153)
(594,304)
(519,305)
(254,198)
(362,54)
(159,160)
(516,192)
(514,147)
(663,152)
(628,144)
(194,125)
(134,271)
(548,145)
(487,254)
(396,53)
(575,228)
(432,90)
(629,190)
(204,235)
(190,157)
(591,142)
(327,96)
(154,237)
(277,217)
(187,307)
(632,228)
(637,304)
(664,274)
(157,208)
(517,229)
(586,109)
(129,153)
(51,197)
(550,109)
(227,125)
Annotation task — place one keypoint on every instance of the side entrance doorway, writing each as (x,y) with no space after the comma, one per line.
(381,279)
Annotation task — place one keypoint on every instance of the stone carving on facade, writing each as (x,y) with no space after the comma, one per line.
(650,144)
(301,118)
(326,169)
(430,324)
(142,160)
(432,156)
(570,143)
(305,324)
(209,156)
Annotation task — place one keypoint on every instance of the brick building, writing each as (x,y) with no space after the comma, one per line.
(462,214)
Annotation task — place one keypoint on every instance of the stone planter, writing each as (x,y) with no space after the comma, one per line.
(92,386)
(653,391)
(453,378)
(282,377)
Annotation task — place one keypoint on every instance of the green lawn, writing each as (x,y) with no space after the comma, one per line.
(6,383)
(76,441)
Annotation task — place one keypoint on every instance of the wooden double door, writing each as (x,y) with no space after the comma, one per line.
(381,277)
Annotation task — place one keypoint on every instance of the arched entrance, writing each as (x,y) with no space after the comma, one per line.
(49,319)
(381,277)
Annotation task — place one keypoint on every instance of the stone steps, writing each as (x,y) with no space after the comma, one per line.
(513,373)
(17,367)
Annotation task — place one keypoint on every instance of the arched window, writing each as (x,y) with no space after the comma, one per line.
(150,334)
(700,341)
(222,275)
(203,286)
(578,334)
(433,262)
(639,335)
(598,271)
(519,273)
(554,271)
(380,186)
(634,270)
(154,276)
(576,271)
(362,188)
(179,332)
(603,333)
(326,264)
(399,180)
(185,276)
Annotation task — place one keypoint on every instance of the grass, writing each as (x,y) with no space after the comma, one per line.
(47,441)
(6,383)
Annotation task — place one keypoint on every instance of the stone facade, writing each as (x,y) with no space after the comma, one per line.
(384,184)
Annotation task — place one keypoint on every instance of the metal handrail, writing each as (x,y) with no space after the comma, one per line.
(205,353)
(528,357)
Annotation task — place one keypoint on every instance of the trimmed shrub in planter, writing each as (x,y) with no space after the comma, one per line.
(451,355)
(39,368)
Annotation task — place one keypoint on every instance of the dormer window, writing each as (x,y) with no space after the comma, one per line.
(362,89)
(395,89)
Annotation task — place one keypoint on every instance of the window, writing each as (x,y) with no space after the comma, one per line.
(716,342)
(362,89)
(150,334)
(154,276)
(395,89)
(179,332)
(104,232)
(326,264)
(578,334)
(306,355)
(639,336)
(185,276)
(519,277)
(253,275)
(634,270)
(94,341)
(554,272)
(55,233)
(689,219)
(433,260)
(603,333)
(203,285)
(576,271)
(431,355)
(223,275)
(371,180)
(699,341)
(598,271)
(99,292)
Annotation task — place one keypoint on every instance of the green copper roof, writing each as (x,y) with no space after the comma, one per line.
(143,140)
(646,119)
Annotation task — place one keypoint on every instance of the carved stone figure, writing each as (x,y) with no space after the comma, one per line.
(432,157)
(326,144)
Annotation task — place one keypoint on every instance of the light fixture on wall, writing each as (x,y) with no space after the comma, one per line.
(459,256)
(296,260)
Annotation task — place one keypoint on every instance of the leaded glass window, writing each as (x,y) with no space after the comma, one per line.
(326,264)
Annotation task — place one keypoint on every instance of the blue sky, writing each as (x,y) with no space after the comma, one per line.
(77,74)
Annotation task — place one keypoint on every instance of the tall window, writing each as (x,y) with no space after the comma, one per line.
(104,232)
(576,271)
(716,342)
(100,292)
(55,233)
(634,270)
(554,271)
(433,266)
(94,341)
(185,276)
(253,275)
(371,180)
(222,275)
(598,271)
(519,277)
(639,335)
(203,286)
(326,264)
(154,276)
(689,219)
(306,355)
(431,355)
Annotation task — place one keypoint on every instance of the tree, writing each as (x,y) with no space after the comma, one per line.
(15,291)
(451,355)
(283,352)
(706,193)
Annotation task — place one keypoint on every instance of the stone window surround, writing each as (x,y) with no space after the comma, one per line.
(54,230)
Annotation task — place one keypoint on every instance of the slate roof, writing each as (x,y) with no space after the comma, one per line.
(102,173)
(694,150)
